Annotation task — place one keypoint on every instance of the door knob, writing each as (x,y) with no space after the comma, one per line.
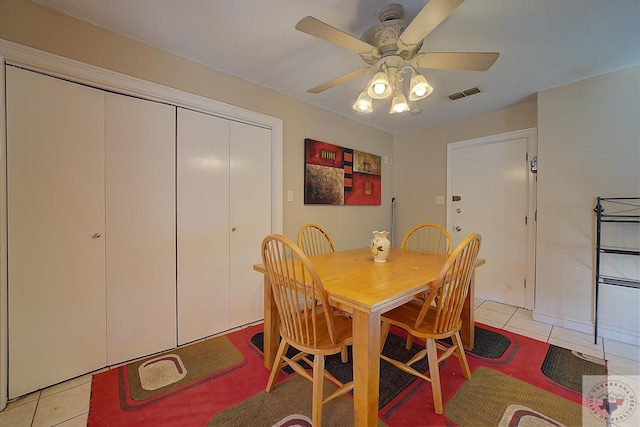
(457,228)
(97,235)
(233,229)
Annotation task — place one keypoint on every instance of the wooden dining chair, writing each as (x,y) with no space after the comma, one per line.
(427,237)
(307,321)
(442,320)
(314,240)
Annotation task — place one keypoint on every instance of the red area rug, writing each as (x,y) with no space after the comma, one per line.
(226,391)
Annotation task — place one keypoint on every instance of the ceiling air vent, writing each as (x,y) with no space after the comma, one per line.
(465,93)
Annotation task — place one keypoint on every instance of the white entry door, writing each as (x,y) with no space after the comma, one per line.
(490,192)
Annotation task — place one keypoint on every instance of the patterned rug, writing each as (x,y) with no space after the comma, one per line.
(491,345)
(221,382)
(145,381)
(506,401)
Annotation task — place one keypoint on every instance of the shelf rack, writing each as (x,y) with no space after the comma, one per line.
(614,210)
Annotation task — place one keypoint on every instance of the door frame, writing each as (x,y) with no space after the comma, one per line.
(532,151)
(58,66)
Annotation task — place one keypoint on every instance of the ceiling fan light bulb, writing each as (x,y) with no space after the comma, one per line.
(399,104)
(420,87)
(379,86)
(363,104)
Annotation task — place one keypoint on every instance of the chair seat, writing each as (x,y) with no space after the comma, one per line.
(343,330)
(405,317)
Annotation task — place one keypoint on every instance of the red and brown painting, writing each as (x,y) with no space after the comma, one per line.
(336,175)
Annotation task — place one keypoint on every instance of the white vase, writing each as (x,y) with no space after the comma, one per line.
(380,246)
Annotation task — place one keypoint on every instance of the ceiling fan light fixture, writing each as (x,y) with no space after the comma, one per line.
(419,88)
(364,103)
(379,87)
(399,103)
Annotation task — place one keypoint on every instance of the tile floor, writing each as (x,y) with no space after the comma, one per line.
(67,404)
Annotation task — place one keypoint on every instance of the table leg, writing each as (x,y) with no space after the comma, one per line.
(468,320)
(366,367)
(271,326)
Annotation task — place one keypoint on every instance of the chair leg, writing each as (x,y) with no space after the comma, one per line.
(275,370)
(462,358)
(409,341)
(434,374)
(384,331)
(318,382)
(344,354)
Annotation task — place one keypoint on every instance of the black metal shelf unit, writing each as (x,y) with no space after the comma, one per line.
(614,210)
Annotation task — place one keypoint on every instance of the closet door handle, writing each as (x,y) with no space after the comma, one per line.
(96,235)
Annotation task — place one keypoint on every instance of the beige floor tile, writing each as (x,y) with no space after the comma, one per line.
(490,323)
(477,302)
(484,315)
(33,397)
(536,328)
(67,385)
(526,333)
(79,421)
(559,333)
(524,313)
(63,406)
(19,416)
(502,308)
(621,366)
(617,348)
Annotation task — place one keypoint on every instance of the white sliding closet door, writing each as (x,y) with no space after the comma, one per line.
(56,217)
(224,212)
(250,214)
(141,230)
(203,225)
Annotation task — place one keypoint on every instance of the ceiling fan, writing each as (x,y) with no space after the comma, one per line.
(393,48)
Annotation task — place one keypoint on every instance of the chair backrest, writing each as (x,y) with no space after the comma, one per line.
(298,292)
(428,237)
(452,285)
(314,240)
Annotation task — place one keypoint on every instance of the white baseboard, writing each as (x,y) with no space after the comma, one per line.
(556,319)
(580,325)
(621,335)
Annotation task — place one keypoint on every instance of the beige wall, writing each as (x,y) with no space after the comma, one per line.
(588,146)
(33,25)
(420,161)
(587,143)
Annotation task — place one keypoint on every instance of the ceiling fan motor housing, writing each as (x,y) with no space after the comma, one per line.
(385,34)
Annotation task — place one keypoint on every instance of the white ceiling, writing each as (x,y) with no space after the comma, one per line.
(542,44)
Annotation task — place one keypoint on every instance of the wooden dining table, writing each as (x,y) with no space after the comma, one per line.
(366,289)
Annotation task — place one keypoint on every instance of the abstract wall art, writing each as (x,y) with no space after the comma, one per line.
(335,175)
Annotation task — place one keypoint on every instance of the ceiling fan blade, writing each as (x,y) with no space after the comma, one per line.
(319,29)
(472,61)
(339,80)
(431,15)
